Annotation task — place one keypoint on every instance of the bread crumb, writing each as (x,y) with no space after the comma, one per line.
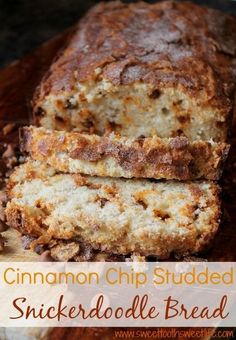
(8,128)
(2,243)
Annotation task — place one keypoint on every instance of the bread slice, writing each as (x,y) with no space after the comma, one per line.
(139,69)
(114,215)
(115,156)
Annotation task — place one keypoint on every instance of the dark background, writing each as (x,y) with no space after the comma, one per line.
(25,24)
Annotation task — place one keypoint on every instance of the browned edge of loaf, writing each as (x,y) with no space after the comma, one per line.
(173,158)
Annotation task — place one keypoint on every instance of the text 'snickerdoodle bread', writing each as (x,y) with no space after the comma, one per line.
(164,69)
(115,156)
(114,215)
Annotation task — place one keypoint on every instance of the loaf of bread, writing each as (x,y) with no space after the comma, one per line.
(115,156)
(114,215)
(166,69)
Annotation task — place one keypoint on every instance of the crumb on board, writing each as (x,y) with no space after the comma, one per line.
(8,128)
(2,243)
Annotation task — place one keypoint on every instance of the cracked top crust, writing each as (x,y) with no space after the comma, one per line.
(165,44)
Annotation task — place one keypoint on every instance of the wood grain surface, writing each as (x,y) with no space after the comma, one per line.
(17,84)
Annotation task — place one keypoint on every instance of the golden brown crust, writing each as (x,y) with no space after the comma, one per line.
(111,155)
(144,217)
(167,44)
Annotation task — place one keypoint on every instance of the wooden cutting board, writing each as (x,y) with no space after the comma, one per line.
(17,84)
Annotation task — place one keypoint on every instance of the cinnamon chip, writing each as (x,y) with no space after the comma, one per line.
(9,158)
(26,241)
(3,197)
(65,251)
(106,257)
(86,253)
(46,256)
(3,226)
(194,259)
(9,152)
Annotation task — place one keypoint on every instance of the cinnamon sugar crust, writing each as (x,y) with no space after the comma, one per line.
(164,69)
(115,156)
